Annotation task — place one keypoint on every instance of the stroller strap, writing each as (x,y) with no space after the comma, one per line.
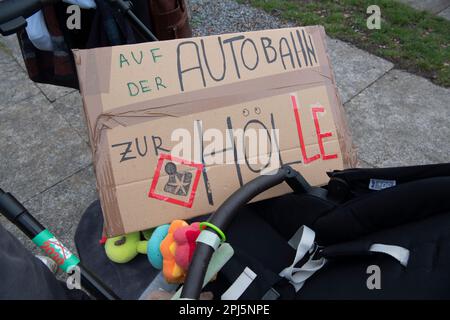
(304,240)
(241,284)
(297,276)
(399,253)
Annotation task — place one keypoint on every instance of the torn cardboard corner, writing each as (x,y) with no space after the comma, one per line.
(139,98)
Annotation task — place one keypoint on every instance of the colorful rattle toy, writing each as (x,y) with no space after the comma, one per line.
(168,247)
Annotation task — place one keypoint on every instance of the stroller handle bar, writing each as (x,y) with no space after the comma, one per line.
(228,210)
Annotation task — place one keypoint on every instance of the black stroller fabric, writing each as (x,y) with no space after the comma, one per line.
(413,214)
(128,280)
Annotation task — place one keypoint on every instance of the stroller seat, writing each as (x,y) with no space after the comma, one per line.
(346,230)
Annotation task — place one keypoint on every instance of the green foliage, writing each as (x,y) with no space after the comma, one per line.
(414,40)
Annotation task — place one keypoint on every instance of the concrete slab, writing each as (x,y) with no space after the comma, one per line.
(445,13)
(12,44)
(39,148)
(354,69)
(5,56)
(402,119)
(433,6)
(50,91)
(71,108)
(363,164)
(14,83)
(60,208)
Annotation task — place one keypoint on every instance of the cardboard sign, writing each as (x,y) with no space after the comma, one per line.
(177,126)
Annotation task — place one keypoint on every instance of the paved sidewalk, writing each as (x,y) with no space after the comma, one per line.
(397,119)
(440,8)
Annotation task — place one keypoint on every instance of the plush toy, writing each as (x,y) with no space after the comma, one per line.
(153,251)
(172,272)
(185,238)
(169,247)
(123,249)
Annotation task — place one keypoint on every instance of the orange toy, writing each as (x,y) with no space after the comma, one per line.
(172,272)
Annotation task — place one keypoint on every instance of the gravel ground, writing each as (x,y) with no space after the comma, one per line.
(210,17)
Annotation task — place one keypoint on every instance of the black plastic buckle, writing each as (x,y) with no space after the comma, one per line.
(13,26)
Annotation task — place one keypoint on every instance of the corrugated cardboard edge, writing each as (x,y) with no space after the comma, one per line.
(105,178)
(113,223)
(348,149)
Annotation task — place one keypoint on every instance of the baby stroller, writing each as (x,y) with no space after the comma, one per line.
(366,230)
(315,243)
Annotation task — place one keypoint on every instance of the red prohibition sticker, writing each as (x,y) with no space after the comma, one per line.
(178,182)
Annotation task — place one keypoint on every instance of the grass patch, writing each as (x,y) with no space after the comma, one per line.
(413,40)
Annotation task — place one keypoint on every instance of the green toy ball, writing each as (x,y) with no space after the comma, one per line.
(122,249)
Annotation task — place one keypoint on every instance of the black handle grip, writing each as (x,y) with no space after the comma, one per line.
(13,14)
(11,9)
(226,212)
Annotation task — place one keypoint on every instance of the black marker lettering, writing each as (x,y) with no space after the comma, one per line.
(204,172)
(311,50)
(230,41)
(308,49)
(295,50)
(267,44)
(256,54)
(221,77)
(238,168)
(272,120)
(142,154)
(299,37)
(258,170)
(157,142)
(189,54)
(127,150)
(288,54)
